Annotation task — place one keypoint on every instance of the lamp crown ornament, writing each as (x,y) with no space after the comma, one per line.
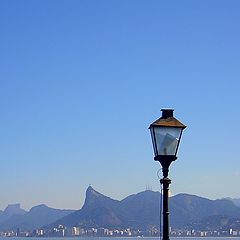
(166,113)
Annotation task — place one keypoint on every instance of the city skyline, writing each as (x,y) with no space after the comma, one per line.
(81,81)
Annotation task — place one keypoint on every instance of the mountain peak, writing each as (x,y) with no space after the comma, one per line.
(12,206)
(94,198)
(90,188)
(90,191)
(40,206)
(12,209)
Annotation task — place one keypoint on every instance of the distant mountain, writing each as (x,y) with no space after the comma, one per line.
(142,211)
(236,201)
(137,211)
(97,210)
(11,210)
(35,218)
(187,208)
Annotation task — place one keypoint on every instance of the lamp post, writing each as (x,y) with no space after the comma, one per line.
(166,134)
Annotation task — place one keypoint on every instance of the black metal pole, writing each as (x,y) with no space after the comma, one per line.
(165,181)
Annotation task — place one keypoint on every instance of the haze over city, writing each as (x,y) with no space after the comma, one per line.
(80,82)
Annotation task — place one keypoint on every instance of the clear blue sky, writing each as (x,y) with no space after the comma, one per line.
(80,82)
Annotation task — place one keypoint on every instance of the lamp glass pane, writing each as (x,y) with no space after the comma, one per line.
(167,140)
(153,141)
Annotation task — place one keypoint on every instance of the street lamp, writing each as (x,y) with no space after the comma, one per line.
(166,134)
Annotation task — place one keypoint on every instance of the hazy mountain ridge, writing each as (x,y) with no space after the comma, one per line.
(236,201)
(97,208)
(11,210)
(36,217)
(186,208)
(137,211)
(142,210)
